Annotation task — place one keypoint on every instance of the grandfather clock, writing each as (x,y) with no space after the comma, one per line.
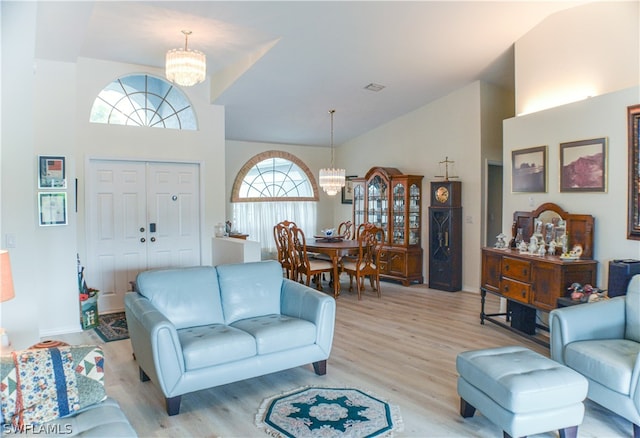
(445,236)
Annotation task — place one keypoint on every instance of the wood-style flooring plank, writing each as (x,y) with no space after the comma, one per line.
(401,347)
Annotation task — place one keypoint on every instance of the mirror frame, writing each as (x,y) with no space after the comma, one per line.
(579,227)
(633,219)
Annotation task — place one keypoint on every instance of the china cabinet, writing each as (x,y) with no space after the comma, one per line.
(392,200)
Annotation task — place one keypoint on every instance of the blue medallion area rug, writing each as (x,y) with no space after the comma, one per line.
(328,412)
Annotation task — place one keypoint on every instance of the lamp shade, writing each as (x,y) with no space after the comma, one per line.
(6,280)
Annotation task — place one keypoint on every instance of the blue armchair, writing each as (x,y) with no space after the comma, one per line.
(601,341)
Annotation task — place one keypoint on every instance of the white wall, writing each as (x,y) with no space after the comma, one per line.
(415,143)
(20,315)
(46,112)
(602,116)
(583,51)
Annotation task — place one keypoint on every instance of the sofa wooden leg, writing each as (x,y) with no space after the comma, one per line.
(173,405)
(143,375)
(569,432)
(636,431)
(466,410)
(320,367)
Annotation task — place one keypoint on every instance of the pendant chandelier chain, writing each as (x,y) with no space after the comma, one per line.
(332,112)
(186,39)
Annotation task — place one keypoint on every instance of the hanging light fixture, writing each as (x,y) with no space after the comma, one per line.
(186,67)
(332,180)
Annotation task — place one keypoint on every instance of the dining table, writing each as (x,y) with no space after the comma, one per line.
(335,248)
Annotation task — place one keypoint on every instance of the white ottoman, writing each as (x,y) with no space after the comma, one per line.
(521,391)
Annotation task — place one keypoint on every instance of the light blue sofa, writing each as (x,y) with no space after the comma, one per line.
(199,327)
(601,341)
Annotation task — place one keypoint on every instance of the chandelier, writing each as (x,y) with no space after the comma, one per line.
(332,180)
(186,67)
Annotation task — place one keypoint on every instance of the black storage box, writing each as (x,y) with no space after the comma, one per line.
(620,273)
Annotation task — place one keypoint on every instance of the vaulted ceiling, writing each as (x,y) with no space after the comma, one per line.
(278,67)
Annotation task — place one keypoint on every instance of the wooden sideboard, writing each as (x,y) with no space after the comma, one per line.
(533,283)
(529,283)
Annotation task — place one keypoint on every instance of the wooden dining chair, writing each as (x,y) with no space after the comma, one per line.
(346,230)
(282,236)
(367,264)
(303,265)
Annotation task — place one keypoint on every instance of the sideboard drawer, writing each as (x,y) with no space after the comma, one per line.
(515,290)
(516,269)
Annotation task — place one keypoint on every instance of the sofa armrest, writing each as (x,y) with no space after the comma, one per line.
(601,320)
(303,302)
(155,342)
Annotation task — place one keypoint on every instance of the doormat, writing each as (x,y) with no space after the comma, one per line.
(112,327)
(328,412)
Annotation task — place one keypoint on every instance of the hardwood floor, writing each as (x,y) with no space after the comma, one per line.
(401,347)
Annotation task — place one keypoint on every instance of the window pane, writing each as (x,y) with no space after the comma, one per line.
(145,101)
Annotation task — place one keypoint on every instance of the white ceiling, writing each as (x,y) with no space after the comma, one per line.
(278,67)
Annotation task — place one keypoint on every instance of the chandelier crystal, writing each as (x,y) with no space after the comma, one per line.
(185,67)
(332,179)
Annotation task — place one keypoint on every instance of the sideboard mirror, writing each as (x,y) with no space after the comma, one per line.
(550,222)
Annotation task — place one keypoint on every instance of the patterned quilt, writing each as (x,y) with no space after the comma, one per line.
(41,385)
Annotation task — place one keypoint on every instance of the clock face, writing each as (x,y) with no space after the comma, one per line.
(442,194)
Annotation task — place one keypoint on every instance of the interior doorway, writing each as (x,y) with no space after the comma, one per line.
(494,202)
(140,215)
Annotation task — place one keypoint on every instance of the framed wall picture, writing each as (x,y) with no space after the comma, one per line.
(583,166)
(52,208)
(347,190)
(529,170)
(633,189)
(51,173)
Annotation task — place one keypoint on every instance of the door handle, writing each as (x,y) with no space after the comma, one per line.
(153,239)
(142,229)
(143,240)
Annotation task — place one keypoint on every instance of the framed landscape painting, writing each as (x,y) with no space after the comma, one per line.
(583,166)
(529,170)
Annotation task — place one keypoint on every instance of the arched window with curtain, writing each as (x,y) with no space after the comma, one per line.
(143,100)
(271,187)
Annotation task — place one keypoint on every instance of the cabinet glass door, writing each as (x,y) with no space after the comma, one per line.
(377,203)
(358,204)
(399,215)
(414,215)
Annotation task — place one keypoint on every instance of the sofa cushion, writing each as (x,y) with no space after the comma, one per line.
(606,361)
(41,385)
(275,333)
(188,297)
(215,344)
(250,289)
(632,328)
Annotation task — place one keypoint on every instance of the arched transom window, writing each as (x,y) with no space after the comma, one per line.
(272,187)
(274,176)
(143,100)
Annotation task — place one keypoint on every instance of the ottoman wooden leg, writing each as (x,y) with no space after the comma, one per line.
(466,410)
(569,432)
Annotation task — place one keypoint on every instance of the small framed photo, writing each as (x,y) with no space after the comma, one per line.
(347,190)
(52,208)
(583,166)
(51,173)
(529,170)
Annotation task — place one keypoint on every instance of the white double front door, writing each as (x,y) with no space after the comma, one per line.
(140,215)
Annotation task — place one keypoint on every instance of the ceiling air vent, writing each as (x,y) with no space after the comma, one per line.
(374,87)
